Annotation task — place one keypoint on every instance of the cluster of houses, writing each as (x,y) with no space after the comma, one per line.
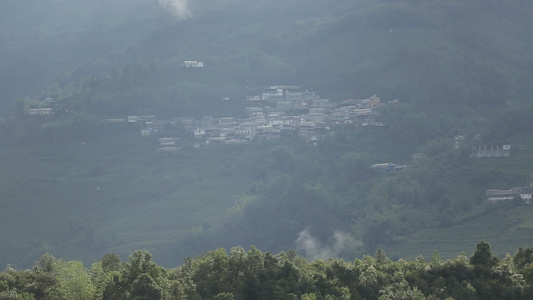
(285,108)
(276,109)
(270,112)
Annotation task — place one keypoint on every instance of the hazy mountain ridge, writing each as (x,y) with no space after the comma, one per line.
(423,52)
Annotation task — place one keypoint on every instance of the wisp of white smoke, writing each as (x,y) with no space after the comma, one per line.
(179,8)
(315,250)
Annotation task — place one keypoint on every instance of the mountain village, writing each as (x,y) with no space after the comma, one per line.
(269,112)
(272,111)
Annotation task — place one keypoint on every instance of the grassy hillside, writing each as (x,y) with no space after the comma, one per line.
(503,227)
(81,196)
(41,43)
(113,194)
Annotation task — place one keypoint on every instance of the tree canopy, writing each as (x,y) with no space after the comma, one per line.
(253,274)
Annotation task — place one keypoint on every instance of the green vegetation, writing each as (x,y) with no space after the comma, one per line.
(254,274)
(445,56)
(113,193)
(78,187)
(106,188)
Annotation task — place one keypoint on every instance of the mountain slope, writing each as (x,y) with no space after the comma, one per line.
(456,68)
(445,53)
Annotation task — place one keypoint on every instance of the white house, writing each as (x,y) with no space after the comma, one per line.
(254,98)
(40,111)
(199,132)
(525,193)
(193,64)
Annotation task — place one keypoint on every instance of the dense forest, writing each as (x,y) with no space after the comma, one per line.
(253,274)
(76,186)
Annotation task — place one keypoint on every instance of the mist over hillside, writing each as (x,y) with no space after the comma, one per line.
(43,41)
(452,78)
(445,53)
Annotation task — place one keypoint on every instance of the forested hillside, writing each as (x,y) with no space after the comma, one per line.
(448,54)
(254,274)
(452,75)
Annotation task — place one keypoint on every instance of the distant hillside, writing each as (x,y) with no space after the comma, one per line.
(42,42)
(451,54)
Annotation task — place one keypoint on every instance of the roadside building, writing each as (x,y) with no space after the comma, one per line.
(524,193)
